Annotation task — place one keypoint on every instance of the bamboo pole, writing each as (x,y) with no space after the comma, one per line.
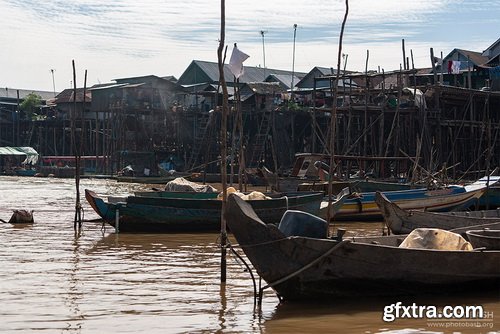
(241,156)
(395,119)
(404,53)
(334,116)
(365,120)
(235,125)
(222,80)
(382,121)
(77,149)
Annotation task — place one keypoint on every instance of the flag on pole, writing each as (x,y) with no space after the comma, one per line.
(236,62)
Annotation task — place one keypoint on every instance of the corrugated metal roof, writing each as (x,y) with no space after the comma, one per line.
(476,57)
(492,46)
(11,93)
(67,96)
(100,87)
(265,87)
(133,85)
(285,79)
(251,74)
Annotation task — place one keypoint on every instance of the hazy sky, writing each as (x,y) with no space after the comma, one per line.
(122,38)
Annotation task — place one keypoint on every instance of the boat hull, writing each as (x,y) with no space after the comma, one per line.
(441,200)
(300,268)
(488,239)
(401,221)
(181,214)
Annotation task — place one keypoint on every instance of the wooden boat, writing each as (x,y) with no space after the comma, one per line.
(363,206)
(302,268)
(308,174)
(491,199)
(401,221)
(146,179)
(189,212)
(336,204)
(304,178)
(485,238)
(25,172)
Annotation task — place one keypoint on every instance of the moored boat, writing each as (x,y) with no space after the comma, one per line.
(455,197)
(485,238)
(401,221)
(165,212)
(303,268)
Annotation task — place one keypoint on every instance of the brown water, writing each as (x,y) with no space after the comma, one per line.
(55,281)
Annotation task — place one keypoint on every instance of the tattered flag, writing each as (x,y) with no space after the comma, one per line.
(236,62)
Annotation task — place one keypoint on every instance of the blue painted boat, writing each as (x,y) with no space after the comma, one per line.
(25,172)
(456,197)
(165,212)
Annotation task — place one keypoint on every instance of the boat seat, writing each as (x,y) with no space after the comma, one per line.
(303,224)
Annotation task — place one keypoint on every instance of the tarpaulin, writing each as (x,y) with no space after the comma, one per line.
(29,152)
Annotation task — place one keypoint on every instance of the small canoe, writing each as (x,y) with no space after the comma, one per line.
(401,221)
(488,239)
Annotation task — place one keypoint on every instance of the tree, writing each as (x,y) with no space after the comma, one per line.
(30,104)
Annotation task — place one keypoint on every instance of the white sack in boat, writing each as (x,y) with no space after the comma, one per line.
(230,191)
(254,195)
(434,238)
(181,184)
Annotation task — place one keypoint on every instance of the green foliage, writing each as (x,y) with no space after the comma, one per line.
(30,104)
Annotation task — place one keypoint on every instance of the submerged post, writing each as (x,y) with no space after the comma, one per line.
(117,219)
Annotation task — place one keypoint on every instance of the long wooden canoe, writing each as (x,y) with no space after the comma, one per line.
(189,212)
(401,221)
(300,268)
(363,206)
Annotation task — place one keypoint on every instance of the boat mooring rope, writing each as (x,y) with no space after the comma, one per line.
(307,266)
(228,244)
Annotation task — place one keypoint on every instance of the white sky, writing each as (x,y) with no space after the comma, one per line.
(122,38)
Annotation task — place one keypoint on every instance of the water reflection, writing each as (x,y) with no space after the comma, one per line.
(96,281)
(365,315)
(74,294)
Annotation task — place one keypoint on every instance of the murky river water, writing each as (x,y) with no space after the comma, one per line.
(55,281)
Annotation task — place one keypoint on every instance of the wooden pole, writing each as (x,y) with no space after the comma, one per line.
(241,162)
(18,116)
(235,125)
(222,80)
(441,73)
(382,120)
(333,118)
(396,115)
(404,53)
(469,79)
(77,224)
(365,122)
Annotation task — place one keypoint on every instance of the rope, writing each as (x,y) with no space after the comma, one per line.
(307,266)
(228,244)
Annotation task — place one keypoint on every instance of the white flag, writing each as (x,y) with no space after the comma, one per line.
(236,62)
